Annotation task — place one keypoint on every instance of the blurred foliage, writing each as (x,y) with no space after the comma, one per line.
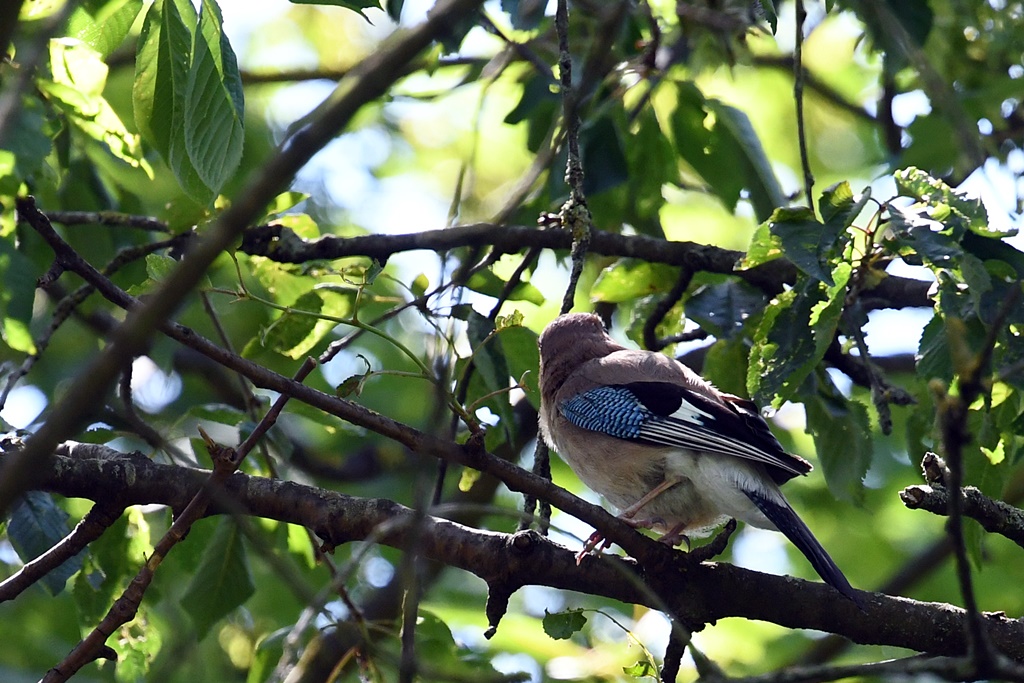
(159,111)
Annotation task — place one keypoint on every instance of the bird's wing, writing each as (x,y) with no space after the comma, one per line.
(671,414)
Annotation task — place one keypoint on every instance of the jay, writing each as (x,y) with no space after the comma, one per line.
(663,445)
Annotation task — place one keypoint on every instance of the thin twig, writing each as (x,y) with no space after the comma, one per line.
(92,526)
(665,305)
(798,98)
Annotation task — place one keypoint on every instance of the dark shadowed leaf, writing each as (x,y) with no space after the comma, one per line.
(723,309)
(842,439)
(562,625)
(36,525)
(223,580)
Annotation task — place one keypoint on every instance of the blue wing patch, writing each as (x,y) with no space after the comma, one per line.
(611,410)
(668,415)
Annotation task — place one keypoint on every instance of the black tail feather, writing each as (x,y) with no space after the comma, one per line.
(787,521)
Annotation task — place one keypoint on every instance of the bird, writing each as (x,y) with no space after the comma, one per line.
(664,446)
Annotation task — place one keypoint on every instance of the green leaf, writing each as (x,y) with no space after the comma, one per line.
(631,278)
(642,669)
(804,240)
(159,266)
(354,5)
(268,653)
(223,580)
(725,366)
(525,14)
(842,439)
(35,526)
(602,156)
(214,104)
(919,239)
(523,358)
(765,192)
(718,141)
(16,298)
(162,67)
(765,246)
(933,359)
(291,331)
(792,337)
(489,359)
(103,24)
(561,625)
(487,282)
(772,16)
(960,209)
(723,309)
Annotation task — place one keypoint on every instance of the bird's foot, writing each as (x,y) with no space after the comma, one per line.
(597,541)
(675,536)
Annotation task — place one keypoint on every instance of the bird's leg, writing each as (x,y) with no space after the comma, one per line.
(598,542)
(629,512)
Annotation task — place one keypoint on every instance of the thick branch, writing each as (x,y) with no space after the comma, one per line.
(703,593)
(281,244)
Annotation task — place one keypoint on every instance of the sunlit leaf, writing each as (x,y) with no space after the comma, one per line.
(103,24)
(214,104)
(629,279)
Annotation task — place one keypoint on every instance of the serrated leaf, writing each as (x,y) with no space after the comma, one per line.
(562,625)
(103,25)
(959,209)
(804,239)
(214,104)
(223,580)
(792,337)
(37,523)
(915,235)
(162,66)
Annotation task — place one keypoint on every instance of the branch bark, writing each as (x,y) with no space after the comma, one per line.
(702,593)
(281,244)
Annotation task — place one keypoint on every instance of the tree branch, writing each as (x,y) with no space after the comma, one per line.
(368,81)
(702,593)
(280,244)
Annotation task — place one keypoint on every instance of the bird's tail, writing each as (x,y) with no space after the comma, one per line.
(786,520)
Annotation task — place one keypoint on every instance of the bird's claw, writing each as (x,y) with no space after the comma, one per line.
(597,542)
